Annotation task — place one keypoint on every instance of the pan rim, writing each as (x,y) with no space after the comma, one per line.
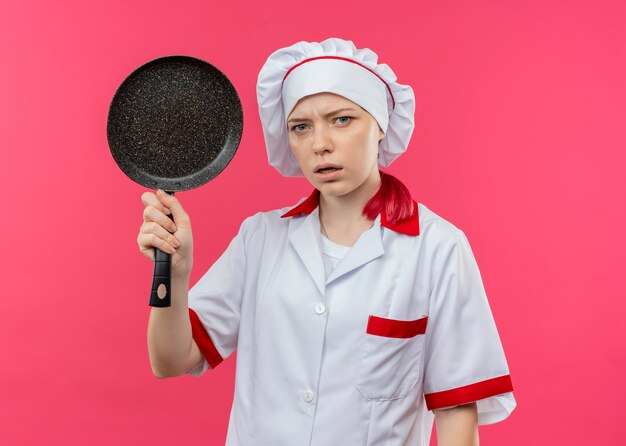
(233,124)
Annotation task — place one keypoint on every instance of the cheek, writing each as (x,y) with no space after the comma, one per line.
(294,147)
(371,148)
(298,153)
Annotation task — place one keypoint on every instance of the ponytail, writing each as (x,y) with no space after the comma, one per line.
(393,198)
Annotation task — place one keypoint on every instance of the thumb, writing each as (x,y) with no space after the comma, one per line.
(170,201)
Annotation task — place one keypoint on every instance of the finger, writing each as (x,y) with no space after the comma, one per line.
(149,241)
(154,228)
(146,251)
(173,204)
(152,214)
(150,199)
(144,246)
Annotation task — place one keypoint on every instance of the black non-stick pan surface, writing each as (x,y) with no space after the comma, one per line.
(174,124)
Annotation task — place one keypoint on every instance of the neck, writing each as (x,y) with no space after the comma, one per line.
(342,217)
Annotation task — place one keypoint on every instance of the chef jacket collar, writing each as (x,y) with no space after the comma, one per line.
(410,226)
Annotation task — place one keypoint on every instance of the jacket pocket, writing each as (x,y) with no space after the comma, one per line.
(391,357)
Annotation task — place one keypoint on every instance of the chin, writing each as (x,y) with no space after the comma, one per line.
(335,188)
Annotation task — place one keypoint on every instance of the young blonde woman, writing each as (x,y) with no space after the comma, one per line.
(358,314)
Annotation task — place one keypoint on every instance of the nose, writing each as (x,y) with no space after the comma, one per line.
(322,142)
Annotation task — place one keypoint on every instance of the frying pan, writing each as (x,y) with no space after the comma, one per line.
(174,124)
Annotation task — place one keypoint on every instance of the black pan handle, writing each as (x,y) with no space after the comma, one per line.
(160,295)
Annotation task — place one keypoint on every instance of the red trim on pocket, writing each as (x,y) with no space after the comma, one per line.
(392,328)
(469,393)
(204,342)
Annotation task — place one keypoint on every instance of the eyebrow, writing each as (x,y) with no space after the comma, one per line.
(333,112)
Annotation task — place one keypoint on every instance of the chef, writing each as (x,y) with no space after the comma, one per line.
(358,314)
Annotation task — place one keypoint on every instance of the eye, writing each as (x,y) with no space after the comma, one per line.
(299,128)
(343,120)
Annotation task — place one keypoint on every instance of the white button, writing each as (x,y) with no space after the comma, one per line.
(308,396)
(320,308)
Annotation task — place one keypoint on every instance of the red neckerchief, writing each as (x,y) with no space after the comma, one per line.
(409,226)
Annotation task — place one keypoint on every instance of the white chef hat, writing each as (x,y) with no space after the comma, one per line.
(332,66)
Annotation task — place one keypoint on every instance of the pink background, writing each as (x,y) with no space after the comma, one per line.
(520,141)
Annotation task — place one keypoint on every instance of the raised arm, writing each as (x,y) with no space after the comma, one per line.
(171,347)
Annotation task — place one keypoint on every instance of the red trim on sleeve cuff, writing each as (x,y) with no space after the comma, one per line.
(469,393)
(204,342)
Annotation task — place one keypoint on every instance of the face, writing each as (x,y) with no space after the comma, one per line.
(336,144)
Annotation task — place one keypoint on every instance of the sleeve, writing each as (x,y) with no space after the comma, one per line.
(215,304)
(464,359)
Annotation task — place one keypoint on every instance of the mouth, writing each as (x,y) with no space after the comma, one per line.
(326,168)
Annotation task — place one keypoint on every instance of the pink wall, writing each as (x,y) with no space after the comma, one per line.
(520,141)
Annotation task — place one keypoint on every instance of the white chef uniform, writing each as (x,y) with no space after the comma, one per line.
(400,327)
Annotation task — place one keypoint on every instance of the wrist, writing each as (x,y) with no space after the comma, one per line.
(181,274)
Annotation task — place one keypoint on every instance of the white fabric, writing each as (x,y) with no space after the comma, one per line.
(332,254)
(347,79)
(351,78)
(311,377)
